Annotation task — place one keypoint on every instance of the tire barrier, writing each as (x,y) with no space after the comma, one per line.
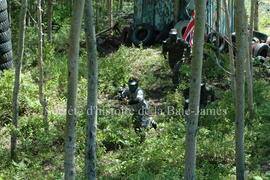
(143,34)
(261,36)
(3,5)
(261,49)
(181,27)
(6,54)
(163,34)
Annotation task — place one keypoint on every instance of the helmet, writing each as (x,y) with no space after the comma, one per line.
(133,84)
(203,84)
(173,32)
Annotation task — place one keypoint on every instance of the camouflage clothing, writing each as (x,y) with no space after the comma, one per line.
(207,96)
(140,107)
(136,100)
(177,50)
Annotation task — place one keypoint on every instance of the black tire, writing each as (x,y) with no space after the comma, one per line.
(6,57)
(261,50)
(5,36)
(6,65)
(164,33)
(255,40)
(260,36)
(3,5)
(143,34)
(5,47)
(3,15)
(4,26)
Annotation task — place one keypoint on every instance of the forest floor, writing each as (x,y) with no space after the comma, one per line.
(120,155)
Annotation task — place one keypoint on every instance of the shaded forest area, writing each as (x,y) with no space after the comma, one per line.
(74,55)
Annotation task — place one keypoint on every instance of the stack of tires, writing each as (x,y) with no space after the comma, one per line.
(5,38)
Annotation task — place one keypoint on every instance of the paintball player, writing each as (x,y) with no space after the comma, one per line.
(134,96)
(207,96)
(177,51)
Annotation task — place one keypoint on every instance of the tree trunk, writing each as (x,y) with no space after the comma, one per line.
(50,16)
(91,123)
(195,89)
(42,98)
(71,120)
(231,50)
(110,13)
(17,81)
(249,64)
(176,10)
(241,57)
(97,14)
(256,15)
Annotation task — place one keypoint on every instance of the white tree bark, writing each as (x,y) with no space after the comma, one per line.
(195,89)
(17,81)
(70,137)
(241,57)
(42,98)
(91,123)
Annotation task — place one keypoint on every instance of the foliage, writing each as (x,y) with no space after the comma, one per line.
(120,153)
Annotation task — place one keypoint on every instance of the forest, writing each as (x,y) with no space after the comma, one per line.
(135,89)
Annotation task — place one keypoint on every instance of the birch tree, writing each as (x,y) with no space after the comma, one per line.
(17,81)
(71,118)
(195,89)
(42,98)
(241,57)
(91,123)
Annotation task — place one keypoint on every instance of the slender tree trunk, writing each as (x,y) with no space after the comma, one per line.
(50,16)
(71,120)
(91,123)
(110,13)
(231,50)
(241,57)
(256,15)
(96,14)
(195,89)
(249,65)
(176,10)
(17,81)
(218,18)
(42,98)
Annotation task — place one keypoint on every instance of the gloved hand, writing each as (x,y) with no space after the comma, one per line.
(125,100)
